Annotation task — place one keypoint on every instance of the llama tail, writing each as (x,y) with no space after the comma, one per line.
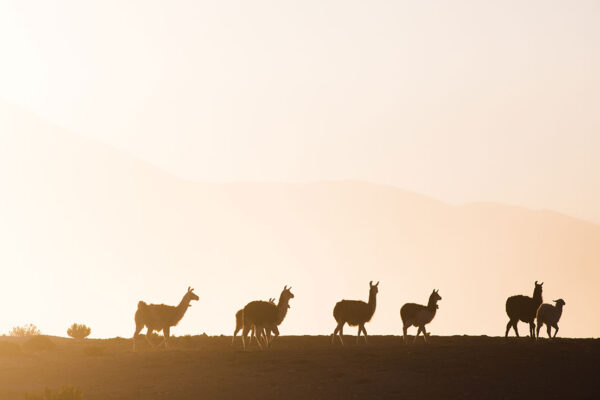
(142,305)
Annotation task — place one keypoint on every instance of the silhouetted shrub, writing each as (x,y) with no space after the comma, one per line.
(9,349)
(94,350)
(39,343)
(65,393)
(25,330)
(79,331)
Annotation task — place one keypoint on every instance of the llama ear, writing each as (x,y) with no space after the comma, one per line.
(371,283)
(377,284)
(189,289)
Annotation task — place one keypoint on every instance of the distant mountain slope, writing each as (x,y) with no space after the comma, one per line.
(87,231)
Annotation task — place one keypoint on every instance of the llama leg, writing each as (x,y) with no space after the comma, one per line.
(556,330)
(532,330)
(364,333)
(275,331)
(163,340)
(253,334)
(358,334)
(334,334)
(508,326)
(135,334)
(167,334)
(537,333)
(404,331)
(148,336)
(235,332)
(417,335)
(341,334)
(244,335)
(514,325)
(424,333)
(261,337)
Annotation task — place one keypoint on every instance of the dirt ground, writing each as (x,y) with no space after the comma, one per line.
(308,367)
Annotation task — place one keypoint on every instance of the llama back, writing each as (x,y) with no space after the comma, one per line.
(260,313)
(521,307)
(354,312)
(156,315)
(409,311)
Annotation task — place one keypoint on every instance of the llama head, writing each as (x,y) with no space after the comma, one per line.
(435,296)
(190,295)
(537,291)
(286,294)
(559,302)
(373,289)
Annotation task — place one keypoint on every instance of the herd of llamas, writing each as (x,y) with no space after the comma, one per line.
(261,319)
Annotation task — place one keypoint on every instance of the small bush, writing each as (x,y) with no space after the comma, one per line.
(25,330)
(66,393)
(39,343)
(94,350)
(9,349)
(79,331)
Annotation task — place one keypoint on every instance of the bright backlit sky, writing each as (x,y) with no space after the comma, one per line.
(461,100)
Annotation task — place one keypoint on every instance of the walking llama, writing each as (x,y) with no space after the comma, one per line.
(523,308)
(157,317)
(355,313)
(265,317)
(239,323)
(419,315)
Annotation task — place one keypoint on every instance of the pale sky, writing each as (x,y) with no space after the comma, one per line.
(461,100)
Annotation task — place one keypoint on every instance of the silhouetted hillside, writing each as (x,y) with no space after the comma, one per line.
(109,230)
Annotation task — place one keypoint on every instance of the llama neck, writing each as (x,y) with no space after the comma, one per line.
(181,308)
(432,304)
(559,308)
(372,302)
(282,308)
(537,298)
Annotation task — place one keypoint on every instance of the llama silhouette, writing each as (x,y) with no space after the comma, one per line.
(355,313)
(157,317)
(419,315)
(523,308)
(264,317)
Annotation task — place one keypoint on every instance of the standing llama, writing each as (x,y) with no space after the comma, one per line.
(523,308)
(355,313)
(239,323)
(419,315)
(264,317)
(549,315)
(157,317)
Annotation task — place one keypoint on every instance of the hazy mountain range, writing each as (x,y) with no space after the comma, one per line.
(86,231)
